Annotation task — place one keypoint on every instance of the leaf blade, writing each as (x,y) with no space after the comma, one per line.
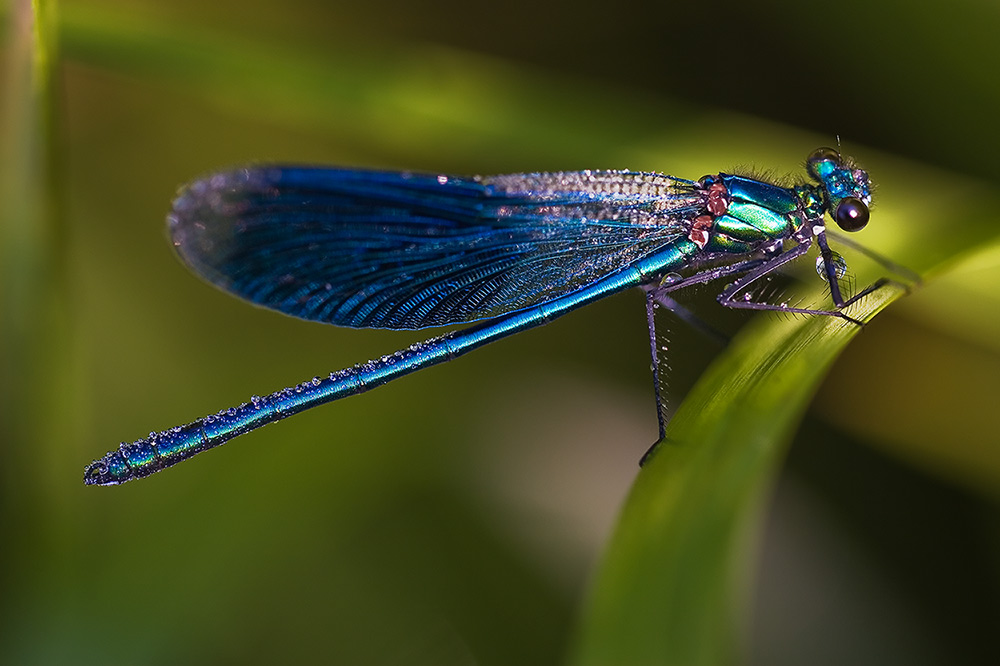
(673,582)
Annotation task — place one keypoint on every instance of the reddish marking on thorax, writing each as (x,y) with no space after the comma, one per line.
(716,203)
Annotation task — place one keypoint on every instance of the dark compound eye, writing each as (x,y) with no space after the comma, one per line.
(852,214)
(820,155)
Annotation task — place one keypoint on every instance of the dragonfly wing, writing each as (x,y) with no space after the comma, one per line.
(399,250)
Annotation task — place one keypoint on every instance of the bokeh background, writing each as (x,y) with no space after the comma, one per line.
(455,517)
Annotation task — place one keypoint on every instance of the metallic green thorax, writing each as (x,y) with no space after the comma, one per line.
(757,213)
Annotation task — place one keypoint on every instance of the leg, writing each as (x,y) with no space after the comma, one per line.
(728,296)
(654,355)
(657,295)
(701,277)
(654,298)
(831,275)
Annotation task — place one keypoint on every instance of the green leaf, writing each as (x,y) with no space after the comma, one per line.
(33,323)
(674,580)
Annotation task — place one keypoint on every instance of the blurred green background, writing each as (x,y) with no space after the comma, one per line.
(455,517)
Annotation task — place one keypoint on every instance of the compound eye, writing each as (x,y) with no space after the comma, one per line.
(852,214)
(820,155)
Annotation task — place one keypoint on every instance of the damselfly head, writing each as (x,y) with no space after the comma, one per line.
(848,188)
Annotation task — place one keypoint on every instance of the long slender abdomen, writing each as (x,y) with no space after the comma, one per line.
(169,447)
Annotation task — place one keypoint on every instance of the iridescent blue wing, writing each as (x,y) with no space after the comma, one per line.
(399,250)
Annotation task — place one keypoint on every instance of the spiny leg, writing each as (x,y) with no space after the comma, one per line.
(831,273)
(654,298)
(655,360)
(728,296)
(651,302)
(832,269)
(667,285)
(657,295)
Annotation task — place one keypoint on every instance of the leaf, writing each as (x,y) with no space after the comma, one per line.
(673,582)
(32,242)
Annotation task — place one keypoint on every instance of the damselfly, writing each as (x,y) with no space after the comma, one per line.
(373,249)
